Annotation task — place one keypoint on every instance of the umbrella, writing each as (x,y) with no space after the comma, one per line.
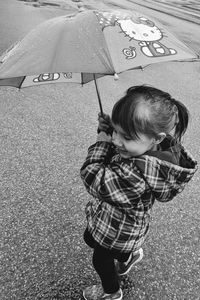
(83,47)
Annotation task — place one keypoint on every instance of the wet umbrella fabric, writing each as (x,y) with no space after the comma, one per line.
(89,45)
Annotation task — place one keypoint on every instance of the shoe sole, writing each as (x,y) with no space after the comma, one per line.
(87,299)
(137,261)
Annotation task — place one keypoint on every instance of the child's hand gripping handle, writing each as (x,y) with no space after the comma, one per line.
(104,124)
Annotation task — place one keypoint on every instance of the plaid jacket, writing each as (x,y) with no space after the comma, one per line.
(124,191)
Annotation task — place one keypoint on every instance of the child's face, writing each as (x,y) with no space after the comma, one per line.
(128,147)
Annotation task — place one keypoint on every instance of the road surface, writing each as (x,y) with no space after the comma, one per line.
(44,135)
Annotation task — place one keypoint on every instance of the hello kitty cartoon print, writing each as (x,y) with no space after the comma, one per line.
(139,29)
(147,34)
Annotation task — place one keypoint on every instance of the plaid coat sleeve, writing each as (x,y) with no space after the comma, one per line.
(118,184)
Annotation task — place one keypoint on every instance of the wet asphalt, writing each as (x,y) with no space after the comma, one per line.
(44,135)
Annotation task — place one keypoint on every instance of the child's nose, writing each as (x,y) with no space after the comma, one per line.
(116,139)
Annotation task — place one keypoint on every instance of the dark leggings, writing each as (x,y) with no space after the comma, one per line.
(103,262)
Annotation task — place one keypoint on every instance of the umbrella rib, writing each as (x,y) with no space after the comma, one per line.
(22,82)
(107,54)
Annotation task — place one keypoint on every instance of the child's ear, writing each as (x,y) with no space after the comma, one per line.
(160,137)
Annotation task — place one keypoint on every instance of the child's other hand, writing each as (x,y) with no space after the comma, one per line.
(104,124)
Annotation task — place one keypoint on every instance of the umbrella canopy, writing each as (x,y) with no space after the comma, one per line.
(89,45)
(92,42)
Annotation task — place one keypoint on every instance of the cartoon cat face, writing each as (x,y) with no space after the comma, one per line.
(140,32)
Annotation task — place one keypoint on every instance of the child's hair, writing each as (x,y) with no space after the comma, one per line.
(150,111)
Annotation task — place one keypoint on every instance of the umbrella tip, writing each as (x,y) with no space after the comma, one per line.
(116,77)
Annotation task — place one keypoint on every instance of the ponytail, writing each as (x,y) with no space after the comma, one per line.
(183,118)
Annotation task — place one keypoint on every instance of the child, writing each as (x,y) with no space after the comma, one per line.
(137,159)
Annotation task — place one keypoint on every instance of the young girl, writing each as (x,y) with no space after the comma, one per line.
(137,159)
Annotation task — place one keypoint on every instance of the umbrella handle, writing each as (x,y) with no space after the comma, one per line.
(98,95)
